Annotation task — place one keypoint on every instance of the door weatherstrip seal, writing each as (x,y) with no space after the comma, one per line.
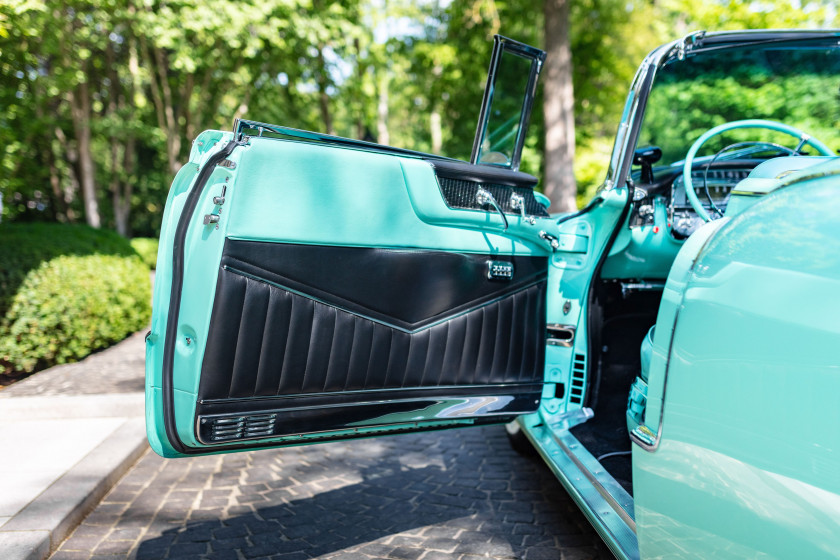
(190,205)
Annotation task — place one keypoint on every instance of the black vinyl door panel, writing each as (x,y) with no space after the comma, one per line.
(305,340)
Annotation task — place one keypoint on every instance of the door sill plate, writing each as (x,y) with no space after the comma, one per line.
(604,502)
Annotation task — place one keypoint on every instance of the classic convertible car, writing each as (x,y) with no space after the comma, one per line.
(671,350)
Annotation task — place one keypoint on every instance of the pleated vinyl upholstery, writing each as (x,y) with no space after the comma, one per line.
(266,341)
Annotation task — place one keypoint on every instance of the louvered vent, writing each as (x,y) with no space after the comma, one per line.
(240,427)
(578,379)
(460,193)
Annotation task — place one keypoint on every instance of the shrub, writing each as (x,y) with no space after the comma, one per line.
(23,247)
(147,248)
(66,291)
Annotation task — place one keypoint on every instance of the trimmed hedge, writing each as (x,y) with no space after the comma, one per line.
(66,291)
(147,248)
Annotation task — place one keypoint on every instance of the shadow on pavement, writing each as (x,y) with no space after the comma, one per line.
(390,500)
(424,496)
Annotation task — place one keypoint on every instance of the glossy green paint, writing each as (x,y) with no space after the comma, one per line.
(645,252)
(767,177)
(307,193)
(657,354)
(204,146)
(583,241)
(748,463)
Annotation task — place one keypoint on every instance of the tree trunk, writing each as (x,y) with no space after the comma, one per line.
(358,92)
(158,67)
(71,188)
(122,190)
(57,198)
(80,110)
(558,107)
(124,185)
(55,185)
(323,97)
(173,136)
(437,131)
(382,135)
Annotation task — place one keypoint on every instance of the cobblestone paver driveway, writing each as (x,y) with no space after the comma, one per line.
(460,494)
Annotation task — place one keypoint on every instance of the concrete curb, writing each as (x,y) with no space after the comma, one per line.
(123,405)
(39,528)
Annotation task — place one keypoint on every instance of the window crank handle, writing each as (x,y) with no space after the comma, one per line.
(483,198)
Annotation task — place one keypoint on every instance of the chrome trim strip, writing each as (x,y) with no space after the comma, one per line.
(607,506)
(641,435)
(372,392)
(433,411)
(605,484)
(279,440)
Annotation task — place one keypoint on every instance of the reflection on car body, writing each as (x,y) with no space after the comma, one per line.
(670,350)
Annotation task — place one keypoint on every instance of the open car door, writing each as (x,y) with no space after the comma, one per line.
(312,288)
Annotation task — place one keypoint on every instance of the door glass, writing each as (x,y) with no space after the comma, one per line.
(508,99)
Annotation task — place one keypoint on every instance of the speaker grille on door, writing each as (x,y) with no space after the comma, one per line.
(241,427)
(460,193)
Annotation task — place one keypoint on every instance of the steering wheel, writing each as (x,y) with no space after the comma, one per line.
(750,123)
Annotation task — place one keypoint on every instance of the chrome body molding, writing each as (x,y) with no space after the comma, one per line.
(273,422)
(604,502)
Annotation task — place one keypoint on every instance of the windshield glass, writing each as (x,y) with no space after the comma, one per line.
(798,85)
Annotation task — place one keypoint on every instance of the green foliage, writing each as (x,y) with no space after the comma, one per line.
(66,291)
(158,73)
(25,246)
(591,160)
(797,88)
(147,248)
(720,15)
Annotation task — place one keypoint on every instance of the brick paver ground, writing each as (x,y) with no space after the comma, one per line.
(461,494)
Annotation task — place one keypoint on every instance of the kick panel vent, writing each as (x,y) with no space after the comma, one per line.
(238,427)
(460,193)
(578,379)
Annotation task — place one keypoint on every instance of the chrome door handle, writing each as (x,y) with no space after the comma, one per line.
(483,198)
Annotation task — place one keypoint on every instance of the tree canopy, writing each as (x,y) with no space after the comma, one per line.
(102,98)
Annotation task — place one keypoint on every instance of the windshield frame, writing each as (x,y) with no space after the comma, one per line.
(618,173)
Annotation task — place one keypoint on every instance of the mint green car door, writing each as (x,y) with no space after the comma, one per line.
(311,289)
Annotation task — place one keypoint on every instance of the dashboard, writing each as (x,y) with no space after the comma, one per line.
(668,188)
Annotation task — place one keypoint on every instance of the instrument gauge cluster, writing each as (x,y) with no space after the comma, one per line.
(716,184)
